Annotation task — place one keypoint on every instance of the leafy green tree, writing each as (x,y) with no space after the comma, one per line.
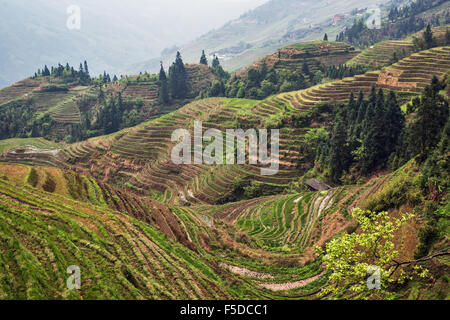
(217,89)
(353,258)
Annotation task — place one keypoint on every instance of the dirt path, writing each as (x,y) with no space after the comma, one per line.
(53,152)
(290,285)
(325,204)
(245,272)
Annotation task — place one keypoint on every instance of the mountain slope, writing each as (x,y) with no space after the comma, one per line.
(113,33)
(263,30)
(55,107)
(140,157)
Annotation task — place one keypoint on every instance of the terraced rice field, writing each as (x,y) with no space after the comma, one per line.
(314,53)
(18,90)
(147,91)
(409,76)
(147,150)
(120,257)
(280,222)
(144,249)
(380,55)
(144,152)
(135,243)
(66,110)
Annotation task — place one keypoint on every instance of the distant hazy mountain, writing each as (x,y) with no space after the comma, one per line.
(113,33)
(263,30)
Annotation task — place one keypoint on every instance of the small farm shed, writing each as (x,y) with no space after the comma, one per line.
(316,185)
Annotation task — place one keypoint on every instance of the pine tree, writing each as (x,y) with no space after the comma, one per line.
(357,126)
(203,59)
(395,122)
(432,114)
(163,94)
(101,96)
(352,109)
(178,78)
(339,155)
(325,37)
(216,62)
(374,136)
(428,37)
(305,68)
(46,72)
(86,69)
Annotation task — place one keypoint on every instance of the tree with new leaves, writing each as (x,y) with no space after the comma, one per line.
(353,258)
(203,59)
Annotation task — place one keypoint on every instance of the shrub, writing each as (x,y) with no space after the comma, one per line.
(427,235)
(49,184)
(399,191)
(32,177)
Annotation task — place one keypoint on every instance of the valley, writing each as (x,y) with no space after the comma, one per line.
(87,176)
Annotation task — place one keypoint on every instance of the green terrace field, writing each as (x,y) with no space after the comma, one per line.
(131,247)
(141,227)
(381,54)
(27,143)
(408,77)
(144,153)
(63,101)
(146,250)
(315,53)
(139,157)
(120,257)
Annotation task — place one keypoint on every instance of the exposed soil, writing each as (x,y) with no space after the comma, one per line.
(245,272)
(291,285)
